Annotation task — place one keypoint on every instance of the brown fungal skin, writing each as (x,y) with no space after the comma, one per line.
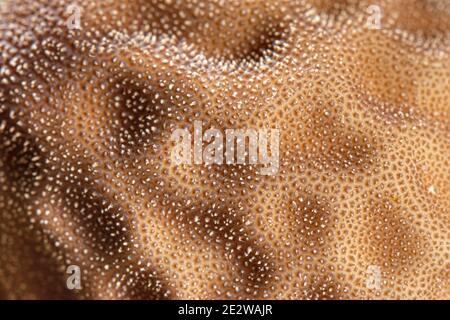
(85,123)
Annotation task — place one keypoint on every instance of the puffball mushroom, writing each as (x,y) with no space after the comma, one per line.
(91,91)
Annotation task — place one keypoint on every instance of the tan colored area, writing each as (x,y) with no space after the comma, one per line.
(85,175)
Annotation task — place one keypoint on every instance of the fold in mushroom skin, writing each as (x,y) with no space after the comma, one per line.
(361,100)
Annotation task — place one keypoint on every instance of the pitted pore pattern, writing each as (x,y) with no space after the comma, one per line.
(85,174)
